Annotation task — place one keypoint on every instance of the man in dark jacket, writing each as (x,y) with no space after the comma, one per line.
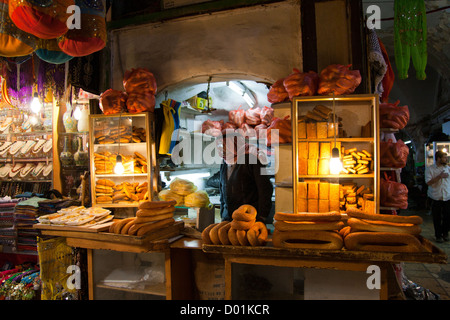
(243,179)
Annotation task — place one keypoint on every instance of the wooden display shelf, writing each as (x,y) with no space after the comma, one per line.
(158,289)
(432,255)
(156,241)
(355,139)
(134,144)
(337,176)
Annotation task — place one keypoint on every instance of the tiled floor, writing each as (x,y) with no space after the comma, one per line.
(433,277)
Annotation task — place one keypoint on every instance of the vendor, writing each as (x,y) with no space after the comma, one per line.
(242,178)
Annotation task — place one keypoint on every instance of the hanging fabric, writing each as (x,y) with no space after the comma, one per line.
(51,77)
(46,19)
(378,66)
(389,77)
(48,50)
(91,37)
(410,37)
(167,127)
(19,75)
(13,41)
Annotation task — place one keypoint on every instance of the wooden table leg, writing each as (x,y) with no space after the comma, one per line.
(90,272)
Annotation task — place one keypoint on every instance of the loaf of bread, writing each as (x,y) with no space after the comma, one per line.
(324,206)
(325,150)
(324,190)
(324,166)
(301,128)
(311,130)
(313,190)
(322,130)
(313,150)
(312,166)
(313,205)
(302,166)
(303,150)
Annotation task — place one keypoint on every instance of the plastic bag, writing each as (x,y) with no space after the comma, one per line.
(166,195)
(198,199)
(182,187)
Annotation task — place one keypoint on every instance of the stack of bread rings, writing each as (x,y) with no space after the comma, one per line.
(243,230)
(382,232)
(151,216)
(308,230)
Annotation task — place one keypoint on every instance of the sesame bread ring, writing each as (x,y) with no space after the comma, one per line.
(223,234)
(205,233)
(245,212)
(242,225)
(383,242)
(214,233)
(384,226)
(153,218)
(154,226)
(127,227)
(232,236)
(119,225)
(156,204)
(356,213)
(304,216)
(154,211)
(308,239)
(257,235)
(307,225)
(242,237)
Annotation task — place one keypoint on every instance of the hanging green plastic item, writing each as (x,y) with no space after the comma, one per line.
(410,27)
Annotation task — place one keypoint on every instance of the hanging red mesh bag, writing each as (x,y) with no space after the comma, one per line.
(393,116)
(45,19)
(393,194)
(338,79)
(282,132)
(393,155)
(277,92)
(237,117)
(113,101)
(301,83)
(139,80)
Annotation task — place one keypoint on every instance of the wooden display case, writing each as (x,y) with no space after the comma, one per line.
(126,134)
(355,125)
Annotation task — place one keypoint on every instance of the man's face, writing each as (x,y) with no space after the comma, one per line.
(442,160)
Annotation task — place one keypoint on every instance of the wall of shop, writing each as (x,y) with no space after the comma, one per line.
(255,43)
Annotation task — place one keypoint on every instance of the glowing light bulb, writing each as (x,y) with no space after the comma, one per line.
(35,105)
(77,113)
(118,168)
(335,162)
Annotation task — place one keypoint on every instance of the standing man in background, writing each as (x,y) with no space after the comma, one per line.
(438,181)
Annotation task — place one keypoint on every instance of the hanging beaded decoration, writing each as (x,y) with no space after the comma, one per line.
(410,37)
